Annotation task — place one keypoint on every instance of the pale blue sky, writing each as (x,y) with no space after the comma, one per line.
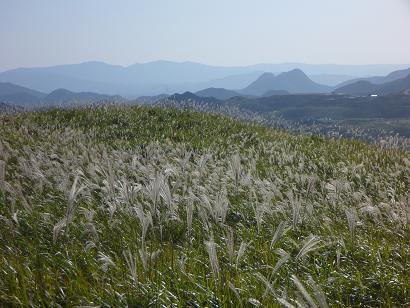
(220,32)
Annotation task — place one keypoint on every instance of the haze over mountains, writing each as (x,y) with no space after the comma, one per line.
(265,85)
(168,77)
(297,82)
(395,75)
(365,87)
(12,94)
(19,95)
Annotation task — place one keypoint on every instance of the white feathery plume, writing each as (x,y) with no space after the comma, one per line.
(2,174)
(213,258)
(236,169)
(147,257)
(131,261)
(285,256)
(189,216)
(105,261)
(70,209)
(230,244)
(241,252)
(310,244)
(351,216)
(280,231)
(71,199)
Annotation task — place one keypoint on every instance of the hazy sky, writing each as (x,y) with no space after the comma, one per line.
(221,32)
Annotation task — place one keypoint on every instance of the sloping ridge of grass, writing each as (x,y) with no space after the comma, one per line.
(141,206)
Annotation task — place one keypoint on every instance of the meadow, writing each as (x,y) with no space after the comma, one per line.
(146,206)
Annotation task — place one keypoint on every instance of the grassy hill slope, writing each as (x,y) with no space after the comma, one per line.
(145,206)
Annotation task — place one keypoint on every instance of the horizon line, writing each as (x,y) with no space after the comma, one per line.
(197,63)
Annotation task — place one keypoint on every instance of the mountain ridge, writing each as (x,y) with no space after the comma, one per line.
(294,81)
(392,76)
(17,95)
(365,87)
(64,96)
(21,96)
(219,93)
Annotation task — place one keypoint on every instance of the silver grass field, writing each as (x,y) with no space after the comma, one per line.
(135,206)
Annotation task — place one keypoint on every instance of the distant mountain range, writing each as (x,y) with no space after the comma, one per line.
(12,94)
(365,87)
(267,84)
(264,85)
(168,77)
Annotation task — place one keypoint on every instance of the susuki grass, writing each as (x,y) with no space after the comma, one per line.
(145,206)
